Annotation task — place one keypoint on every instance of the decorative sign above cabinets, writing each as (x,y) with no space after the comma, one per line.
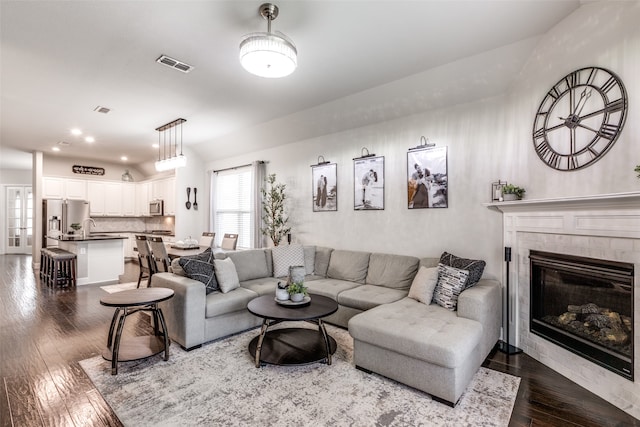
(87,170)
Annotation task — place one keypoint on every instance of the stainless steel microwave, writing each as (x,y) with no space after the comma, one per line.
(156,208)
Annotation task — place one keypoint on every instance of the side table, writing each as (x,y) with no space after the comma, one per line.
(134,348)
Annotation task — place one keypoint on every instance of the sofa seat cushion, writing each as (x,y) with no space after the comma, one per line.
(218,303)
(329,287)
(368,296)
(426,332)
(262,286)
(392,271)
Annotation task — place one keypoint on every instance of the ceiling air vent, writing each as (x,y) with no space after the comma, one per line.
(103,110)
(174,63)
(64,143)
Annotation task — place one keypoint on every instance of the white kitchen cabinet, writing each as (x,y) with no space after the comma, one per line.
(113,198)
(52,188)
(142,199)
(128,199)
(164,189)
(75,189)
(170,198)
(96,197)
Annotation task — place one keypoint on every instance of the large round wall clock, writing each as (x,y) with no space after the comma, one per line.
(580,119)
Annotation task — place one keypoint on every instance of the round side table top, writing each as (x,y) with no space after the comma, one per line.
(133,297)
(267,308)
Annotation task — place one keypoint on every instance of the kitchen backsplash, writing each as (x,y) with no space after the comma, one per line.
(133,225)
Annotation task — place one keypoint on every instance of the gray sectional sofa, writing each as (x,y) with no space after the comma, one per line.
(422,345)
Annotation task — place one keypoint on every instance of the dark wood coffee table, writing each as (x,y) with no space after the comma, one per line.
(134,348)
(292,346)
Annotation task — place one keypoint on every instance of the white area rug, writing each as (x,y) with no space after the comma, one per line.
(123,286)
(218,385)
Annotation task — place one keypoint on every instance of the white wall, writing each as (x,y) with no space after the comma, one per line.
(62,166)
(191,222)
(487,140)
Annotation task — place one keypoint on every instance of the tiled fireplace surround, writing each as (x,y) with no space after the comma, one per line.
(603,227)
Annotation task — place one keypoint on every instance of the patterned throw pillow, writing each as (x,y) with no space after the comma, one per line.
(226,274)
(284,256)
(424,284)
(200,267)
(473,266)
(451,283)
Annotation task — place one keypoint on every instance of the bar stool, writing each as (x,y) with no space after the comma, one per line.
(60,267)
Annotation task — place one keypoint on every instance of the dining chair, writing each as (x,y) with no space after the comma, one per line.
(159,251)
(206,239)
(229,242)
(145,261)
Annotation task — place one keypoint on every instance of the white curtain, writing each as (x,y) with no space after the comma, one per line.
(258,173)
(212,203)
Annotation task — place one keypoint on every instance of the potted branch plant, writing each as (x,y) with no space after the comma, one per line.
(297,291)
(512,192)
(273,215)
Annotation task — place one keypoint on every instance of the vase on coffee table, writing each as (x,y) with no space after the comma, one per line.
(297,297)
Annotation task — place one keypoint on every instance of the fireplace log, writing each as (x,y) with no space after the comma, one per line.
(584,309)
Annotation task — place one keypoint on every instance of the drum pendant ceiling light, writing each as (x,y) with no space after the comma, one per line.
(270,55)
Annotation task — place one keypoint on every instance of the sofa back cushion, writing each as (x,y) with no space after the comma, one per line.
(250,264)
(321,262)
(348,265)
(392,271)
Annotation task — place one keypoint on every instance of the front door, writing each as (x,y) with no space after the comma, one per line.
(19,219)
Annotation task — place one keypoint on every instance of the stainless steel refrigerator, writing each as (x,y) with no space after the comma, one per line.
(58,215)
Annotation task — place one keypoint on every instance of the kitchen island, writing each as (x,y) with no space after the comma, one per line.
(100,256)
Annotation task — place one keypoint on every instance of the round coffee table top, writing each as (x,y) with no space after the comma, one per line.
(133,297)
(267,308)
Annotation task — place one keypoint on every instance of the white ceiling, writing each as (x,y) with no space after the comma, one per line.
(61,59)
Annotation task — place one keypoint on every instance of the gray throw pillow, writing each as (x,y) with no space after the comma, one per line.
(200,267)
(451,282)
(424,284)
(475,267)
(226,274)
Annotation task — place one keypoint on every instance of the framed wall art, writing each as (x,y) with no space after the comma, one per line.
(368,179)
(427,180)
(324,179)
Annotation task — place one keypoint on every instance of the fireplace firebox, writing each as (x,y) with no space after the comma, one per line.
(586,306)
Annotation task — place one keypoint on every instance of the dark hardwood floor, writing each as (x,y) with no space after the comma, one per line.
(45,332)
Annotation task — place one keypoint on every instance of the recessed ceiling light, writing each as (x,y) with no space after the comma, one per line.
(90,139)
(155,145)
(124,158)
(76,131)
(56,149)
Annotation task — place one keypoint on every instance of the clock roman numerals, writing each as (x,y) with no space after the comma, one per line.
(609,84)
(608,130)
(614,106)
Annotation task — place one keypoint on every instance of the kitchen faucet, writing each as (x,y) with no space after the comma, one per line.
(84,230)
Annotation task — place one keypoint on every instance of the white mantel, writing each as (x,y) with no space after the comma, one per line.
(605,226)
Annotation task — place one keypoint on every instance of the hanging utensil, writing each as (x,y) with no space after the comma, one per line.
(188,204)
(195,201)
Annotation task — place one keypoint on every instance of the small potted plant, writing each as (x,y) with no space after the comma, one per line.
(297,291)
(76,227)
(282,294)
(512,192)
(637,169)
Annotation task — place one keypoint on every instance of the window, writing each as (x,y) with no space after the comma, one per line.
(233,203)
